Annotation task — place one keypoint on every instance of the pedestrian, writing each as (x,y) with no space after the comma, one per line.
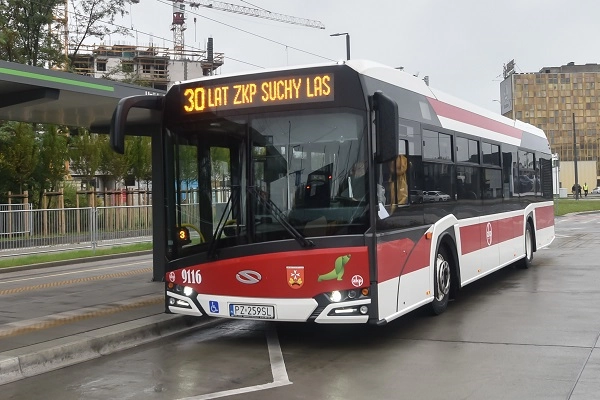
(585,188)
(573,188)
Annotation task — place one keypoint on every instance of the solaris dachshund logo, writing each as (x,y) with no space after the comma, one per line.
(338,269)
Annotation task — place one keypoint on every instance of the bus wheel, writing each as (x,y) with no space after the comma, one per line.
(525,262)
(442,281)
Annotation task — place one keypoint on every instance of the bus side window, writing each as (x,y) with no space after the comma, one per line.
(397,181)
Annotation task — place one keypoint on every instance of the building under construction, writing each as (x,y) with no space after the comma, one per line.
(156,67)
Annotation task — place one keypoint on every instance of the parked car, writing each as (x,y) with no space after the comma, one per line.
(596,190)
(435,195)
(416,196)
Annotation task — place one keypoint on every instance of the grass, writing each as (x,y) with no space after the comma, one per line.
(567,206)
(70,255)
(561,207)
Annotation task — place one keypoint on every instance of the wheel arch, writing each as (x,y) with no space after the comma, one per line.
(529,219)
(447,240)
(528,226)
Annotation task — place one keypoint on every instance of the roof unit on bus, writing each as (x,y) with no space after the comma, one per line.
(258,72)
(414,84)
(391,75)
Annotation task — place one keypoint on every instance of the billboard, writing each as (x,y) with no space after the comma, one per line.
(506,95)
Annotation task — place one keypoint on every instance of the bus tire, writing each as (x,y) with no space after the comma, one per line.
(442,281)
(526,261)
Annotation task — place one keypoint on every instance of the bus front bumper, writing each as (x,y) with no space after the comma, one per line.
(269,309)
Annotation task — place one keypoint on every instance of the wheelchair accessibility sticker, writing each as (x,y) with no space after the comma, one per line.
(213,306)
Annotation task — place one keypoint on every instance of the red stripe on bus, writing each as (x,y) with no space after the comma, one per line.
(268,275)
(469,238)
(471,118)
(419,258)
(544,217)
(391,257)
(400,257)
(478,236)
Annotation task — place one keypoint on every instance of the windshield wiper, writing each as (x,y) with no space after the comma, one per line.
(276,212)
(221,225)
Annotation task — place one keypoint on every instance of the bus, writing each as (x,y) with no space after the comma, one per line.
(346,192)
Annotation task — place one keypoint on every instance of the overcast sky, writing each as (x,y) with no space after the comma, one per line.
(461,45)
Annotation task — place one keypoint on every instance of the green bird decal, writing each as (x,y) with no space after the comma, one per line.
(338,270)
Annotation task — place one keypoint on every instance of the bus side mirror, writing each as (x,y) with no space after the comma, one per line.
(386,126)
(119,117)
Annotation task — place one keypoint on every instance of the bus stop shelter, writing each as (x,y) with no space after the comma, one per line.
(32,94)
(37,95)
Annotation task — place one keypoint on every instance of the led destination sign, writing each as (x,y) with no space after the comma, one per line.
(257,93)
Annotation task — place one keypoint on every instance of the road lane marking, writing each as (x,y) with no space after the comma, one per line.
(75,272)
(276,357)
(583,367)
(234,392)
(280,376)
(63,318)
(74,281)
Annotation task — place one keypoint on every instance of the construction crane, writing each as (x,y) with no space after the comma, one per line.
(178,24)
(255,12)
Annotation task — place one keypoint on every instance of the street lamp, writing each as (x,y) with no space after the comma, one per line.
(347,42)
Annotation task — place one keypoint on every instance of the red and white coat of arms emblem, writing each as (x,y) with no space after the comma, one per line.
(295,277)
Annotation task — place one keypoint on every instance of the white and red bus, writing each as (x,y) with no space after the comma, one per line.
(338,193)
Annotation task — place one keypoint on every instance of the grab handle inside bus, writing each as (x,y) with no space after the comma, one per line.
(119,117)
(386,126)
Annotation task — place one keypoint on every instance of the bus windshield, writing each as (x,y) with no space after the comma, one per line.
(268,177)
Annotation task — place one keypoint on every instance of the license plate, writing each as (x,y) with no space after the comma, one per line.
(251,311)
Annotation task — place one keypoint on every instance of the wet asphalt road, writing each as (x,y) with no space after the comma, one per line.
(516,334)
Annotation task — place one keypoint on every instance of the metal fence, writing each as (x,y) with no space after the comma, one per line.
(25,231)
(14,221)
(11,207)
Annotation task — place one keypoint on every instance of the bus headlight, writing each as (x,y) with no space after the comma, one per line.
(188,291)
(335,296)
(339,296)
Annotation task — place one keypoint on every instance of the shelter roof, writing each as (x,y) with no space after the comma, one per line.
(33,94)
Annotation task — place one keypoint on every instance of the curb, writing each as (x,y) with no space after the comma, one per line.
(74,261)
(578,213)
(40,358)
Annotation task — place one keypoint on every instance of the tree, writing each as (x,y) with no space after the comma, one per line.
(4,184)
(85,154)
(9,41)
(138,151)
(188,166)
(112,164)
(53,154)
(20,154)
(219,164)
(95,19)
(25,34)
